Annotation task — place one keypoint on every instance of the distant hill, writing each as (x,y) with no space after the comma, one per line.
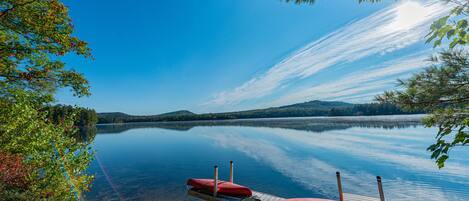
(177,113)
(306,109)
(114,114)
(319,105)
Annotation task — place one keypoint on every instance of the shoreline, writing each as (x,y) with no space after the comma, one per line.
(363,118)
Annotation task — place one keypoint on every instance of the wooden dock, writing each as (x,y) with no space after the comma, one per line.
(266,197)
(256,196)
(259,196)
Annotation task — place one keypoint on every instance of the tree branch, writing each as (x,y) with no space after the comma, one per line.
(3,13)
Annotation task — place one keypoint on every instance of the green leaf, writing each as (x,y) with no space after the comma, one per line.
(462,24)
(441,161)
(454,43)
(441,22)
(437,43)
(450,33)
(429,39)
(436,153)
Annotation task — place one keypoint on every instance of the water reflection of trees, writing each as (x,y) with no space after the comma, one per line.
(304,124)
(86,134)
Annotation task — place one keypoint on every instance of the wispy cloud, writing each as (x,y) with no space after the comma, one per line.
(361,84)
(385,31)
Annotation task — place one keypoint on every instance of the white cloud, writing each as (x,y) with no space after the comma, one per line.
(387,30)
(377,145)
(356,85)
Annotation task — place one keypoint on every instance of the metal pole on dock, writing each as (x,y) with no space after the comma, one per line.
(380,188)
(231,171)
(215,181)
(339,185)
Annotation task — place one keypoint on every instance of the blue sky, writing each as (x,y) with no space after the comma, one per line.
(224,55)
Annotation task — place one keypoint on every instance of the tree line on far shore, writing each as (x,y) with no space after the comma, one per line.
(297,110)
(83,117)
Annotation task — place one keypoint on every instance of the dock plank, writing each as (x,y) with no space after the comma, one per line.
(266,197)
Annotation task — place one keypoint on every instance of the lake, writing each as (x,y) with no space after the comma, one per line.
(290,157)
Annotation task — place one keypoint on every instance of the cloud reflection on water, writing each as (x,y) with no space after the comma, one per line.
(306,151)
(318,174)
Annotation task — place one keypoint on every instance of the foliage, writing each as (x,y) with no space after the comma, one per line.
(371,109)
(454,26)
(57,162)
(14,171)
(34,35)
(86,118)
(443,90)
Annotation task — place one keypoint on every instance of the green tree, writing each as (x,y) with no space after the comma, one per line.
(443,88)
(57,162)
(443,91)
(452,27)
(34,35)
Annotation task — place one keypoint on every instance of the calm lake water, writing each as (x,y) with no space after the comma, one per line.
(295,157)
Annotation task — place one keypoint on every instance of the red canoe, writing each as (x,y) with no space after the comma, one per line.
(224,187)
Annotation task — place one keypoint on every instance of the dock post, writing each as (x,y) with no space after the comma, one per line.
(380,188)
(339,185)
(231,171)
(215,181)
